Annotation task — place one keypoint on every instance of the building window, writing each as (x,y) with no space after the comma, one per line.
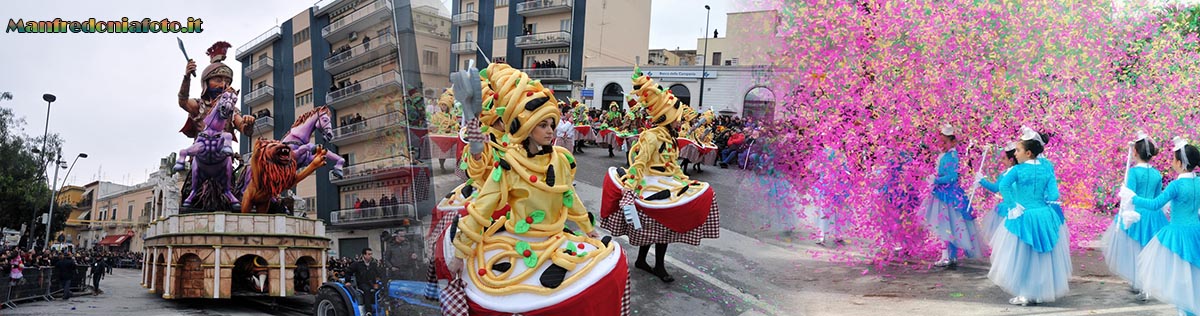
(303,65)
(262,57)
(564,60)
(431,58)
(716,61)
(383,32)
(129,215)
(304,98)
(300,37)
(260,84)
(565,25)
(349,159)
(501,3)
(500,32)
(470,36)
(471,7)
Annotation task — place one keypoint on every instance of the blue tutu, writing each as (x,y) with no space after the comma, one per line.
(948,224)
(1021,270)
(991,221)
(1168,276)
(1121,253)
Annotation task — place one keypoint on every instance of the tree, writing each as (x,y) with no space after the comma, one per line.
(24,191)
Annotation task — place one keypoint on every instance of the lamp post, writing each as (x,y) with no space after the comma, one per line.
(53,196)
(704,66)
(49,98)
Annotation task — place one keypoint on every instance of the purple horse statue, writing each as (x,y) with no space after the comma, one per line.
(300,134)
(211,154)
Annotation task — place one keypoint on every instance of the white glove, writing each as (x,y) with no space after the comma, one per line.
(929,179)
(631,216)
(1167,209)
(979,177)
(1126,194)
(1129,218)
(1016,211)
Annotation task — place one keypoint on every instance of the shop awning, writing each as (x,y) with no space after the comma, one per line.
(114,240)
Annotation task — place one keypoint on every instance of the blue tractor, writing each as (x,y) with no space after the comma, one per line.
(398,297)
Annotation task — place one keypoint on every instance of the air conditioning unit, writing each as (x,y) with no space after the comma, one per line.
(353,36)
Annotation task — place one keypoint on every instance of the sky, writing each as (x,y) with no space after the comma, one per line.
(117,92)
(678,23)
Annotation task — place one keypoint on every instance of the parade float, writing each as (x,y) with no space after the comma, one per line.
(229,231)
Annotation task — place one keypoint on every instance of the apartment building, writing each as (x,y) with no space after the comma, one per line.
(374,65)
(551,40)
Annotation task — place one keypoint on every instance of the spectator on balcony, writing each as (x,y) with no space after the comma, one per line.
(394,200)
(358,203)
(383,199)
(366,42)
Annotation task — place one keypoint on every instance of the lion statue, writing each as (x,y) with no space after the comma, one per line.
(273,170)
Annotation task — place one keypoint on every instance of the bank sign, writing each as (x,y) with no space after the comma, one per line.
(679,74)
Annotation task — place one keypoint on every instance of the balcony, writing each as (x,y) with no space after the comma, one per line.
(384,83)
(386,215)
(464,48)
(547,74)
(549,39)
(357,21)
(367,129)
(465,18)
(264,124)
(260,67)
(260,95)
(375,48)
(429,21)
(543,7)
(386,168)
(257,43)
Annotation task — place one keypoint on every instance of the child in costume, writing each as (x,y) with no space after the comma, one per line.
(652,201)
(518,255)
(1031,256)
(993,220)
(482,131)
(1169,266)
(1125,239)
(947,211)
(829,195)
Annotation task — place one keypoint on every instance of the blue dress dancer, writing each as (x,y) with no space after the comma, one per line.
(992,220)
(1125,239)
(830,194)
(947,212)
(1169,266)
(1031,256)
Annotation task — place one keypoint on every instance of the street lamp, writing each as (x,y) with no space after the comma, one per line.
(704,66)
(49,98)
(50,215)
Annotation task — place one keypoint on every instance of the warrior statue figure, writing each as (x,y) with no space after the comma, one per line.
(212,151)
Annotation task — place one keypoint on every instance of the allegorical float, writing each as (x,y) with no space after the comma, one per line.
(229,231)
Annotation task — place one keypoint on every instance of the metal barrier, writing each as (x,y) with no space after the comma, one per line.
(40,283)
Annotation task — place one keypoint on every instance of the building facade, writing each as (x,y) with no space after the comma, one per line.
(737,75)
(70,204)
(373,64)
(118,219)
(551,40)
(745,91)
